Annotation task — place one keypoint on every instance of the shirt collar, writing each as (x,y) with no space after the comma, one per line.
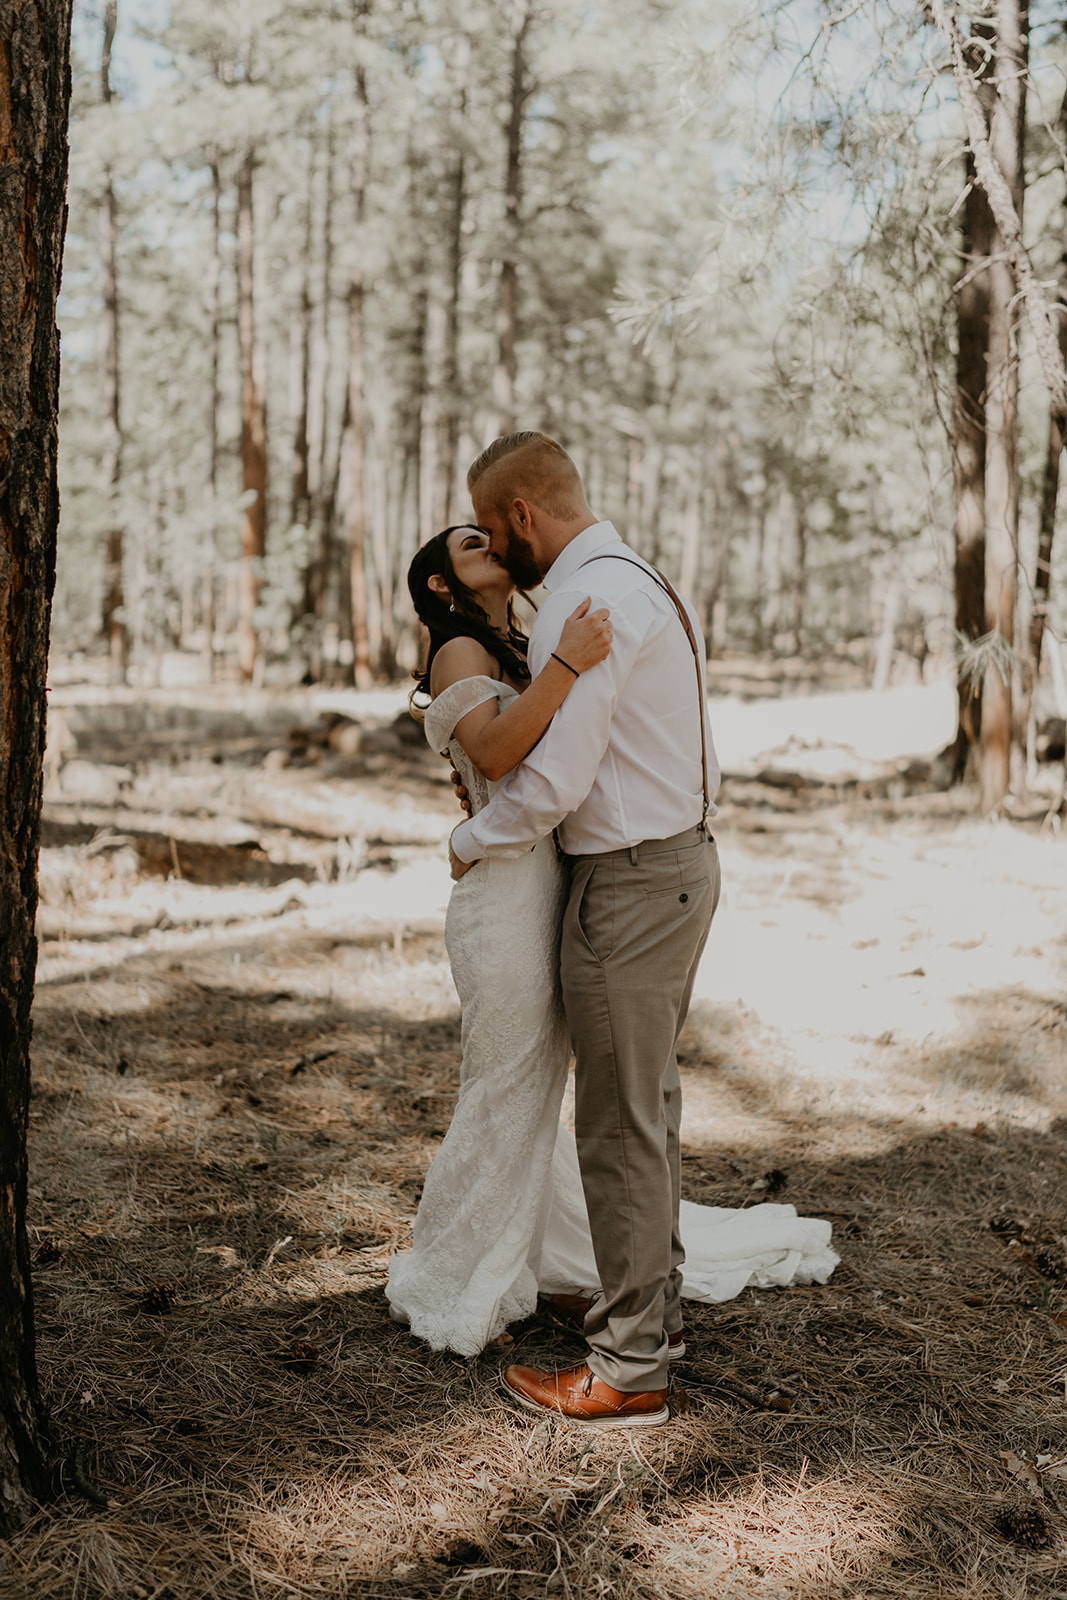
(581,547)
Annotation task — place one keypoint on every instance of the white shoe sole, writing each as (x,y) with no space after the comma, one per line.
(653,1419)
(676,1352)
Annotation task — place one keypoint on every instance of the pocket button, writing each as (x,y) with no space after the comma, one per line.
(683,898)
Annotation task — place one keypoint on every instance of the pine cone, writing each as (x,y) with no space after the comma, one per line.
(301,1355)
(1025,1525)
(1050,1263)
(157,1299)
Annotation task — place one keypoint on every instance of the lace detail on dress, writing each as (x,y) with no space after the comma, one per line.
(469,1272)
(450,707)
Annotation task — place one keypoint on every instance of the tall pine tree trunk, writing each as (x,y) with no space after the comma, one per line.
(452,400)
(115,631)
(1050,489)
(1007,132)
(968,418)
(253,426)
(354,441)
(321,499)
(299,507)
(34,104)
(508,303)
(434,403)
(214,307)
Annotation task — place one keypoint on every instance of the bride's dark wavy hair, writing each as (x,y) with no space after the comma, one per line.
(458,615)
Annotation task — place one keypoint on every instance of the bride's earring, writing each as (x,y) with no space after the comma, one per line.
(452,609)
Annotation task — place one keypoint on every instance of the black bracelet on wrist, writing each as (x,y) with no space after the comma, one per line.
(566,664)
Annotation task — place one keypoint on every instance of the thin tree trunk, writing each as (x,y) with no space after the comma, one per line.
(1050,489)
(968,418)
(354,441)
(1007,134)
(385,543)
(115,631)
(433,480)
(689,564)
(651,489)
(321,500)
(634,454)
(253,426)
(34,105)
(508,303)
(718,594)
(425,366)
(299,508)
(214,291)
(887,635)
(800,578)
(760,584)
(451,398)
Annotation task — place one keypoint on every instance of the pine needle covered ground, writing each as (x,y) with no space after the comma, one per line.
(231,1125)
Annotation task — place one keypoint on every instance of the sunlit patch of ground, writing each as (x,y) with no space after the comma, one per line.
(234,1111)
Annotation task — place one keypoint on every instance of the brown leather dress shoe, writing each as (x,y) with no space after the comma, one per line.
(570,1310)
(580,1396)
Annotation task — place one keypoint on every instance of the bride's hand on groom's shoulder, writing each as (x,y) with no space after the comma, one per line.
(456,866)
(586,638)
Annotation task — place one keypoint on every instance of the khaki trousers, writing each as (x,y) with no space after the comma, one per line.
(633,931)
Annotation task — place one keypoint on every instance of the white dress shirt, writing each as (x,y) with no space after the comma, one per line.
(620,761)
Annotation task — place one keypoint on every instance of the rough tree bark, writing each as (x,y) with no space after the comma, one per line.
(34,103)
(1006,137)
(253,425)
(115,630)
(968,416)
(508,303)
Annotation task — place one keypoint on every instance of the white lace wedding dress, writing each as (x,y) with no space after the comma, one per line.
(502,1213)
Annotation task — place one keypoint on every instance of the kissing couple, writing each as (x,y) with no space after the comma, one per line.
(586,882)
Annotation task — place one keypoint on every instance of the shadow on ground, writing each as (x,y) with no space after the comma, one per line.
(223,1161)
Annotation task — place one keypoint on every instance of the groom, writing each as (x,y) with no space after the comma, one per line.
(626,773)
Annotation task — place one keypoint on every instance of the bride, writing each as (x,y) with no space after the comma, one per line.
(502,1214)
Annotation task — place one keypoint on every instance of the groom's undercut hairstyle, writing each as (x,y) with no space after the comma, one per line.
(529,466)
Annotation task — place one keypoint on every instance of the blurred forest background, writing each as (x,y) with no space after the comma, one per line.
(320,252)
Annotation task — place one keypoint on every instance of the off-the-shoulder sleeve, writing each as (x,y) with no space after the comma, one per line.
(452,706)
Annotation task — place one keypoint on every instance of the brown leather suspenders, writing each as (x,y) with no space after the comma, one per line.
(657,577)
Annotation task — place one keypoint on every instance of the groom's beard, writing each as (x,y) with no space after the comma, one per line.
(519,559)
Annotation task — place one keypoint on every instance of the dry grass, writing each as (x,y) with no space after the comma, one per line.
(227,1144)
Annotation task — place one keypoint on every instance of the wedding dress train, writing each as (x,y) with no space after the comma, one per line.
(502,1213)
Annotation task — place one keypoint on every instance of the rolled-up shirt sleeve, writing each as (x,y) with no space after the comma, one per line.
(560,771)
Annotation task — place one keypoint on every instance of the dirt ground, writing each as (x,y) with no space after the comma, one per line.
(246,1052)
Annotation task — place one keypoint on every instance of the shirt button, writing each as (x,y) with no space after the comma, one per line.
(683,898)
